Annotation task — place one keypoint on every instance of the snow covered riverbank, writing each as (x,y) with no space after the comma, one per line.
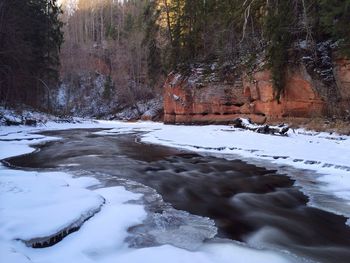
(36,205)
(326,154)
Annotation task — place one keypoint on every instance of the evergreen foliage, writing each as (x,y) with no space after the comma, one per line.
(154,63)
(279,37)
(30,40)
(108,88)
(335,20)
(235,31)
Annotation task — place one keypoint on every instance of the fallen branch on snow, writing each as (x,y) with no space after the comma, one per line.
(265,129)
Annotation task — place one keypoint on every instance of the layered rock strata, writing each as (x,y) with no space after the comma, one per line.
(190,100)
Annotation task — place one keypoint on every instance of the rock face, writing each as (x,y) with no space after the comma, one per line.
(191,100)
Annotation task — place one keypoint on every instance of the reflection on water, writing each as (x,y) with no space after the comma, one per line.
(247,203)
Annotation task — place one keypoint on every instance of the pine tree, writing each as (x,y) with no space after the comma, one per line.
(154,63)
(29,47)
(335,20)
(278,33)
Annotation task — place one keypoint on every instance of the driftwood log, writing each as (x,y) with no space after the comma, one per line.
(265,129)
(8,121)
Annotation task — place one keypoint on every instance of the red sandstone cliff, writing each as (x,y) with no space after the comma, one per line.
(189,99)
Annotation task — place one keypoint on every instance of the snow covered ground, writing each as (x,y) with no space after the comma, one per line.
(35,206)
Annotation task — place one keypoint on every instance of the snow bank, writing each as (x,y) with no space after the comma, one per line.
(313,149)
(326,154)
(39,205)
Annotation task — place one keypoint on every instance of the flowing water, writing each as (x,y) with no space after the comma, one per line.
(247,203)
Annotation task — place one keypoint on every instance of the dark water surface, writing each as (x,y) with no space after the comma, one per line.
(248,203)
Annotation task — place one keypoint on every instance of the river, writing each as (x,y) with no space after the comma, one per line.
(248,203)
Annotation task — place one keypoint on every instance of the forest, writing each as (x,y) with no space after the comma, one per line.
(191,131)
(131,46)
